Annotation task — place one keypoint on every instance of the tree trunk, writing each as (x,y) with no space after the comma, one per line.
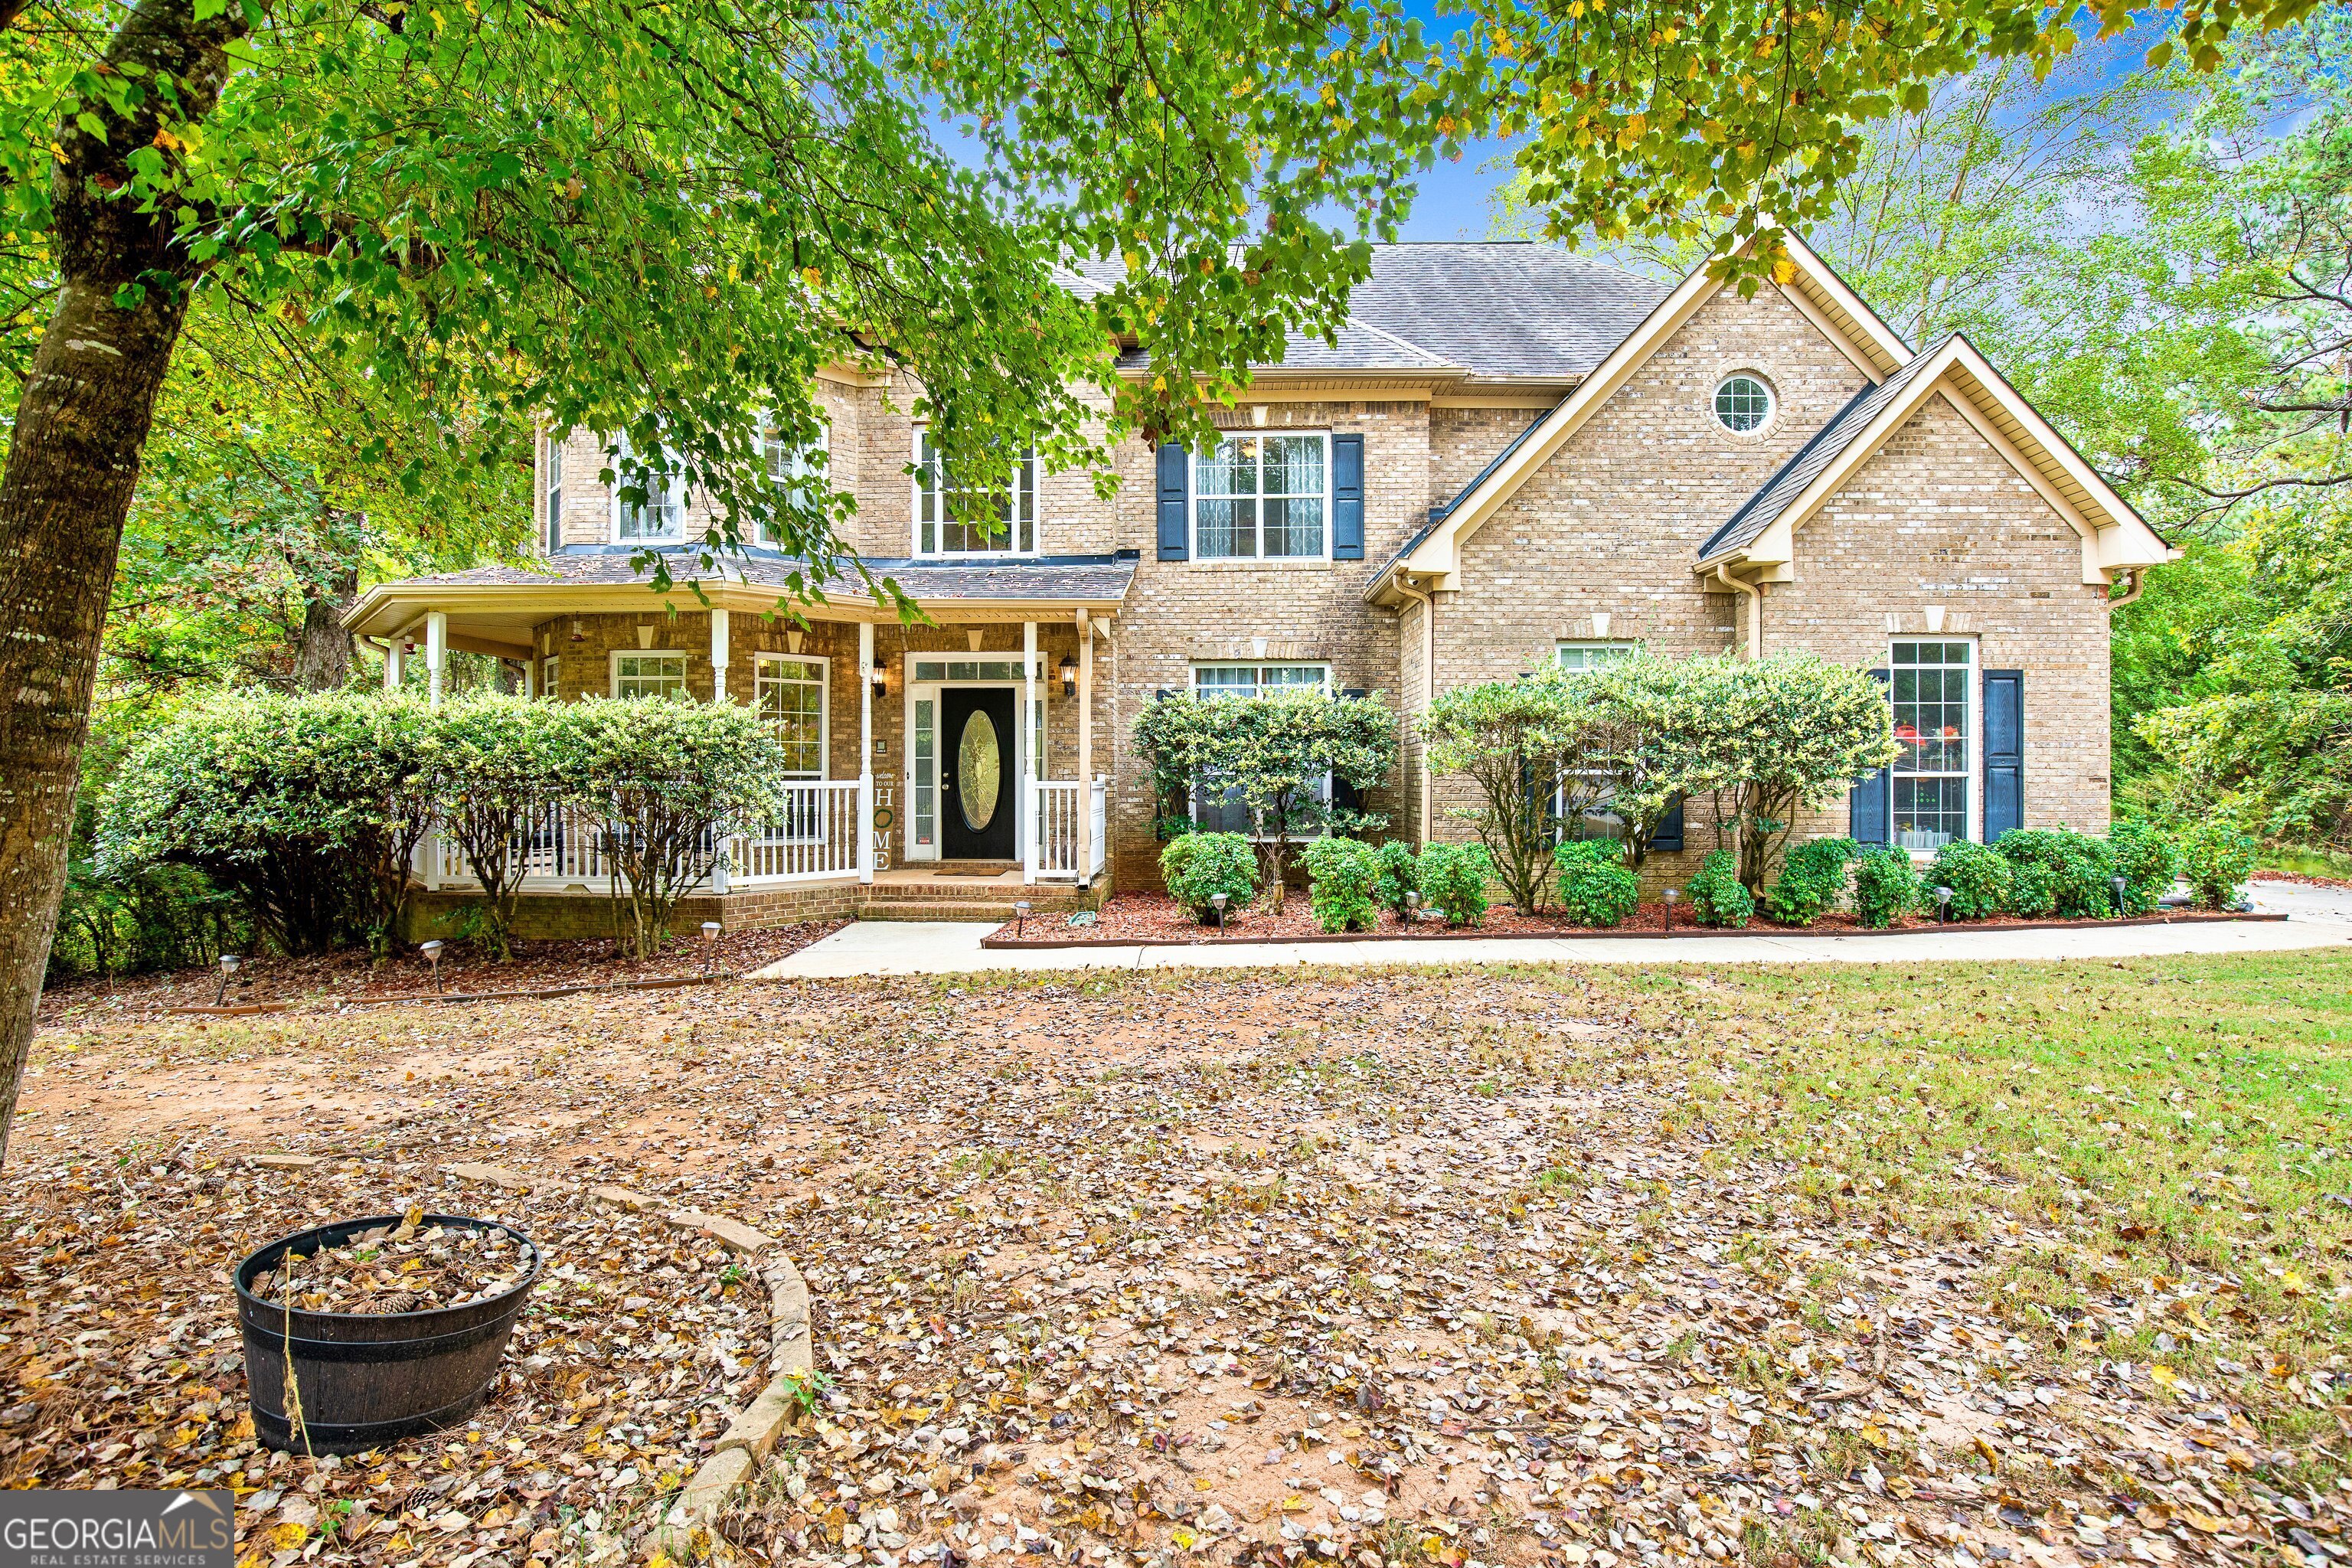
(73,463)
(323,659)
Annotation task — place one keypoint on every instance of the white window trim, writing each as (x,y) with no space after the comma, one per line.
(759,661)
(551,495)
(550,671)
(676,485)
(1617,647)
(1013,550)
(1973,690)
(1192,498)
(1192,677)
(612,684)
(763,536)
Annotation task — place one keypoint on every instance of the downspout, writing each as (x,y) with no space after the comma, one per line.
(2139,582)
(1755,608)
(1428,602)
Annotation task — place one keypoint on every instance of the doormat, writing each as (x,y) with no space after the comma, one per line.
(975,871)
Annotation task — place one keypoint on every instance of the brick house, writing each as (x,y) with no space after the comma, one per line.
(1511,455)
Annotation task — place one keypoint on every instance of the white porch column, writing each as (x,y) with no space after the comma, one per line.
(865,750)
(436,654)
(1086,748)
(531,675)
(1032,851)
(719,656)
(394,661)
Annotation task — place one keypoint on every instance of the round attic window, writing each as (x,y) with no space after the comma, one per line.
(1743,403)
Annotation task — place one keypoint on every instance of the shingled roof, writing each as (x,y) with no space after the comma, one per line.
(1091,578)
(1506,309)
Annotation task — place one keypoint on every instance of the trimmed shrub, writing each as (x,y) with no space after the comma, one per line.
(2079,869)
(1978,875)
(1453,879)
(1885,888)
(1813,878)
(1718,898)
(1399,875)
(1343,875)
(490,757)
(2217,858)
(1595,889)
(2146,858)
(1199,866)
(2033,890)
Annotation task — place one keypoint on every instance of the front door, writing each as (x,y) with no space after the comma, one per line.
(977,761)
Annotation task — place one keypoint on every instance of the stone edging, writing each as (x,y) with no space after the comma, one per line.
(1575,933)
(751,1436)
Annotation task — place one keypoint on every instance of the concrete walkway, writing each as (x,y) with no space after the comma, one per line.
(2319,918)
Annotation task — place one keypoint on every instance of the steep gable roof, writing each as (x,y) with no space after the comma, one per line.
(1819,292)
(1762,532)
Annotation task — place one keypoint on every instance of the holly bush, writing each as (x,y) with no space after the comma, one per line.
(1343,875)
(1197,867)
(1595,889)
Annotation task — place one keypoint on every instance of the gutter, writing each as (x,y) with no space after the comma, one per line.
(2139,586)
(1755,607)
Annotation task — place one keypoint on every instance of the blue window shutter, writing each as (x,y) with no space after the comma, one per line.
(2004,744)
(1175,477)
(1669,832)
(1346,498)
(1868,806)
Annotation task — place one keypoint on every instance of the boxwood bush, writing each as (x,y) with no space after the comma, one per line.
(1199,866)
(1813,878)
(1453,878)
(2078,867)
(1343,875)
(1978,875)
(1886,887)
(1716,896)
(1595,889)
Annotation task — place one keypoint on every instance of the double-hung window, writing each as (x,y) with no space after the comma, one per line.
(649,675)
(1218,807)
(990,519)
(1933,686)
(1576,800)
(551,670)
(789,694)
(1263,498)
(793,469)
(660,518)
(553,498)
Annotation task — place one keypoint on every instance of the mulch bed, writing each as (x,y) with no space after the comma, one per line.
(1155,918)
(354,977)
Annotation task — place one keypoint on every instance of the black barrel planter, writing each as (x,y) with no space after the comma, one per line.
(368,1379)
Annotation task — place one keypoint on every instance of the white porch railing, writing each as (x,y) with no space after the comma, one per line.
(1059,801)
(813,836)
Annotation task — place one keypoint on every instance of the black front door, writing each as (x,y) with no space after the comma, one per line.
(977,761)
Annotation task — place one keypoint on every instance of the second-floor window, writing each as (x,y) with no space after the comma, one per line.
(659,517)
(991,518)
(554,496)
(1262,497)
(790,467)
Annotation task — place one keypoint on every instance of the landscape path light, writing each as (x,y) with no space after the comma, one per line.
(1020,916)
(710,944)
(1219,899)
(432,951)
(1412,906)
(1943,905)
(1673,897)
(2120,885)
(228,963)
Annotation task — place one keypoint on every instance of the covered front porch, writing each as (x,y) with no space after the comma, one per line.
(951,758)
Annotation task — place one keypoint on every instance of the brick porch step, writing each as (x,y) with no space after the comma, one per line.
(994,910)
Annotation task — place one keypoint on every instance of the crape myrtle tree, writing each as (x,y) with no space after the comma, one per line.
(650,222)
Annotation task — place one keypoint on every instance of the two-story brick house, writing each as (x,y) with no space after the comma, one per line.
(1511,455)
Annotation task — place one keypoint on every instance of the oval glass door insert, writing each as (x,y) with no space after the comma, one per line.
(977,770)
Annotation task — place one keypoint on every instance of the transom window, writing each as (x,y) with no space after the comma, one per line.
(1217,806)
(975,519)
(1933,691)
(649,675)
(1743,403)
(1262,497)
(927,670)
(789,694)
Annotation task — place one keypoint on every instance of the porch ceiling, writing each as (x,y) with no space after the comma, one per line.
(492,609)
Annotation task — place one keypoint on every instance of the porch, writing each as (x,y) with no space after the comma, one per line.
(916,753)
